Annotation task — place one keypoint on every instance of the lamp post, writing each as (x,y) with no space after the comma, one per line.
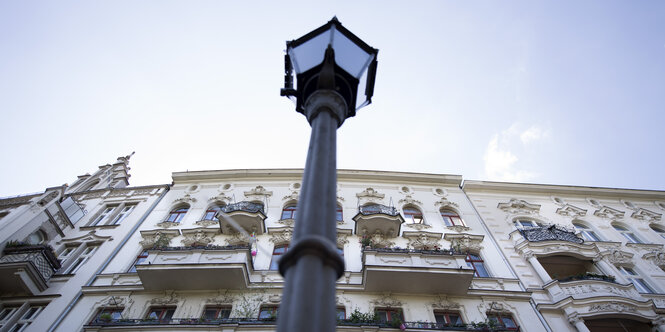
(330,63)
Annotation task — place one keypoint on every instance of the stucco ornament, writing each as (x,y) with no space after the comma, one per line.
(275,298)
(258,194)
(418,226)
(386,300)
(236,238)
(607,212)
(379,239)
(370,195)
(222,197)
(199,237)
(167,224)
(157,238)
(291,197)
(443,303)
(444,202)
(114,301)
(464,242)
(206,223)
(282,236)
(572,211)
(342,239)
(222,297)
(616,256)
(613,307)
(423,240)
(646,215)
(657,257)
(169,297)
(518,206)
(186,199)
(409,200)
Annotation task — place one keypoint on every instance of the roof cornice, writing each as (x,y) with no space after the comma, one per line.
(296,174)
(550,189)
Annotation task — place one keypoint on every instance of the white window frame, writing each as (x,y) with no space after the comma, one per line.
(75,259)
(587,233)
(636,279)
(113,214)
(123,211)
(627,234)
(518,223)
(19,320)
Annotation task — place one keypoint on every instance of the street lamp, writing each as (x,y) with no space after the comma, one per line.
(330,63)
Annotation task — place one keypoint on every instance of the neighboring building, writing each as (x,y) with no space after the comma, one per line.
(53,243)
(593,257)
(422,252)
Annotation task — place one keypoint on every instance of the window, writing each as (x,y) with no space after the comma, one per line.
(27,318)
(412,215)
(289,212)
(216,312)
(103,217)
(340,251)
(339,216)
(276,255)
(444,318)
(389,314)
(451,218)
(66,253)
(160,313)
(142,257)
(83,257)
(105,314)
(586,232)
(211,213)
(632,238)
(124,212)
(504,320)
(268,312)
(341,313)
(477,264)
(177,214)
(658,230)
(36,237)
(526,223)
(637,281)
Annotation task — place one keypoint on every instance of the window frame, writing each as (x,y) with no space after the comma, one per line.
(627,234)
(140,258)
(339,213)
(446,317)
(289,212)
(587,232)
(211,211)
(412,217)
(178,213)
(108,310)
(163,312)
(518,222)
(123,211)
(389,314)
(473,262)
(642,286)
(658,230)
(219,310)
(23,320)
(449,217)
(268,308)
(274,260)
(500,317)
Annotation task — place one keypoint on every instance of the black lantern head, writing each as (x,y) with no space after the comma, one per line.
(351,62)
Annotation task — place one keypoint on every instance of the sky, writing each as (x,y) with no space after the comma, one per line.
(557,92)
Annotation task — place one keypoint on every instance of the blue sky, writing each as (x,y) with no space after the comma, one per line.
(565,92)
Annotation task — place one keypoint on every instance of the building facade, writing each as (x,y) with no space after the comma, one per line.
(421,251)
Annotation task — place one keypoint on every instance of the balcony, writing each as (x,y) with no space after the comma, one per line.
(378,219)
(248,215)
(196,268)
(550,233)
(26,269)
(416,271)
(590,286)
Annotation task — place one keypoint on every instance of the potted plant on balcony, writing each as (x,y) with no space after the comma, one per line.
(366,242)
(105,317)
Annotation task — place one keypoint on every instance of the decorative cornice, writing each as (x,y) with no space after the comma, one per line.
(186,199)
(646,215)
(464,242)
(222,197)
(292,197)
(657,257)
(607,212)
(89,237)
(258,193)
(409,200)
(444,202)
(423,240)
(572,211)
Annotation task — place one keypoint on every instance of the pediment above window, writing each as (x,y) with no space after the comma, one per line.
(518,206)
(616,256)
(186,199)
(89,237)
(646,215)
(258,194)
(607,212)
(370,195)
(572,211)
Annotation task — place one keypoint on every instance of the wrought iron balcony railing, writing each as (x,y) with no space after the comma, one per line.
(40,256)
(272,321)
(208,247)
(378,209)
(589,276)
(243,206)
(418,251)
(550,233)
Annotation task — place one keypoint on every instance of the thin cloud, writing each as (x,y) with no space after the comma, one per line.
(501,162)
(532,134)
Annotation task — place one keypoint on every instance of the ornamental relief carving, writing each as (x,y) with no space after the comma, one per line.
(613,307)
(517,206)
(116,301)
(656,257)
(170,297)
(292,197)
(607,212)
(646,215)
(571,211)
(167,224)
(418,226)
(616,256)
(465,242)
(342,239)
(236,239)
(423,240)
(258,194)
(443,303)
(282,236)
(199,237)
(160,238)
(410,200)
(206,223)
(595,290)
(459,228)
(220,198)
(222,297)
(370,195)
(187,199)
(386,301)
(379,239)
(444,202)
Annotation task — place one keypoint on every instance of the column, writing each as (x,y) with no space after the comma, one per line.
(544,276)
(579,324)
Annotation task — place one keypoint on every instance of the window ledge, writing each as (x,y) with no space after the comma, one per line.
(98,227)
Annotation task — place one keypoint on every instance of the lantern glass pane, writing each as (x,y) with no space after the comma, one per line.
(309,54)
(353,59)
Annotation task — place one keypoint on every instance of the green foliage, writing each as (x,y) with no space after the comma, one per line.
(358,316)
(15,243)
(247,306)
(105,317)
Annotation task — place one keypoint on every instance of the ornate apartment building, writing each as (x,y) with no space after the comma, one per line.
(422,252)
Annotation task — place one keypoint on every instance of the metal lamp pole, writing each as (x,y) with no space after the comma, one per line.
(326,95)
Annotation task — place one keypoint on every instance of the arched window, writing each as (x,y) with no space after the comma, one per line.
(412,215)
(37,237)
(527,223)
(451,218)
(177,214)
(658,230)
(586,232)
(289,212)
(632,238)
(211,212)
(339,216)
(276,255)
